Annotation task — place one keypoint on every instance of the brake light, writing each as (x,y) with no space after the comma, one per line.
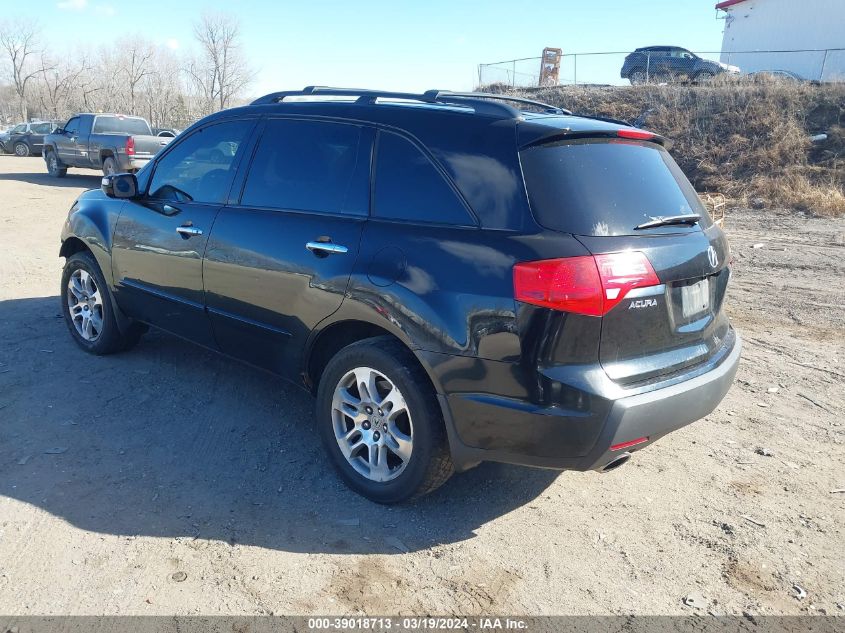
(130,146)
(640,135)
(589,284)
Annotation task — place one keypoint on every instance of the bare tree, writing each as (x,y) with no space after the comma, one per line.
(142,78)
(163,92)
(137,64)
(220,72)
(57,82)
(19,40)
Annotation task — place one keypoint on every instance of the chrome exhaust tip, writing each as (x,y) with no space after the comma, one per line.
(616,462)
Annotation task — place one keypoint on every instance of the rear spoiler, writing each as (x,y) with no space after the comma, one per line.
(622,133)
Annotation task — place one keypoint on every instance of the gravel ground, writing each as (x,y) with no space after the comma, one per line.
(170,480)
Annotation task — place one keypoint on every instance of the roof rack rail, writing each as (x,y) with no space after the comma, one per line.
(545,107)
(481,102)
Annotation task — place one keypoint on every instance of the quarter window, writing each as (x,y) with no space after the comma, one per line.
(409,187)
(200,167)
(309,166)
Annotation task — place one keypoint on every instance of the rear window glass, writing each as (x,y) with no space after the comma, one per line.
(120,125)
(607,188)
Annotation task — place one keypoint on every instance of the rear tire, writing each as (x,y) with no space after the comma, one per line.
(400,424)
(637,78)
(87,308)
(109,166)
(53,167)
(21,149)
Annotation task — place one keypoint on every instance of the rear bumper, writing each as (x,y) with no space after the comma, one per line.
(523,433)
(133,164)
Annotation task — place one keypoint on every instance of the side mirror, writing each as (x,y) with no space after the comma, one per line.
(120,186)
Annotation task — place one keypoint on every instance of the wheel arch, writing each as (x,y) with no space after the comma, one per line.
(90,230)
(73,245)
(331,337)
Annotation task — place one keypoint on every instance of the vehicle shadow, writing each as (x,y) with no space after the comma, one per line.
(172,440)
(87,180)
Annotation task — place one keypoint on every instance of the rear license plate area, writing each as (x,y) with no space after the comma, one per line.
(695,299)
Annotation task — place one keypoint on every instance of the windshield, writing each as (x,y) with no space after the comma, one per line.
(607,187)
(121,125)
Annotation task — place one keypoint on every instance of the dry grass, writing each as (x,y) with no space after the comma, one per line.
(747,139)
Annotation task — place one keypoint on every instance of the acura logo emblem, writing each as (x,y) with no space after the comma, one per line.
(712,257)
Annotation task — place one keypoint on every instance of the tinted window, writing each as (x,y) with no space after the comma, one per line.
(409,187)
(607,187)
(18,129)
(41,128)
(309,166)
(72,126)
(120,125)
(200,167)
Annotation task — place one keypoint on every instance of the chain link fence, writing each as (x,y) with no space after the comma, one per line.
(668,64)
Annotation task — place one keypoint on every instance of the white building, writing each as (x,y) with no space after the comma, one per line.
(814,28)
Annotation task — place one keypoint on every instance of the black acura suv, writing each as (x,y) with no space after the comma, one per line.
(457,277)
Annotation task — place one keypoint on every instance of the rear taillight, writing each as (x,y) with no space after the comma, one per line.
(589,284)
(130,146)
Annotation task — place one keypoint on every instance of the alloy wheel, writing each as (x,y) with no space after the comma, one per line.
(372,424)
(85,305)
(21,150)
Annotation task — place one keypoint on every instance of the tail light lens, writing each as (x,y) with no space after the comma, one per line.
(589,284)
(130,146)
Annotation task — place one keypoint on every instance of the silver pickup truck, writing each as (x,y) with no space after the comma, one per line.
(114,143)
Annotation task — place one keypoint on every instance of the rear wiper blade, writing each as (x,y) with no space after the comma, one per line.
(689,218)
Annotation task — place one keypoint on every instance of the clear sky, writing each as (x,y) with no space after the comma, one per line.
(390,44)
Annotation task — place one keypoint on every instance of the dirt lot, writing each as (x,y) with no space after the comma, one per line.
(116,473)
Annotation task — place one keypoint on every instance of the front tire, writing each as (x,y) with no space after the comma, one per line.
(380,422)
(53,167)
(87,308)
(21,149)
(704,76)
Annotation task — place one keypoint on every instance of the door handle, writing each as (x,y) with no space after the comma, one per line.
(188,231)
(326,248)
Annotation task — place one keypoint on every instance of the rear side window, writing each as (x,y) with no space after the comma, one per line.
(200,167)
(121,125)
(409,187)
(607,188)
(41,128)
(309,166)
